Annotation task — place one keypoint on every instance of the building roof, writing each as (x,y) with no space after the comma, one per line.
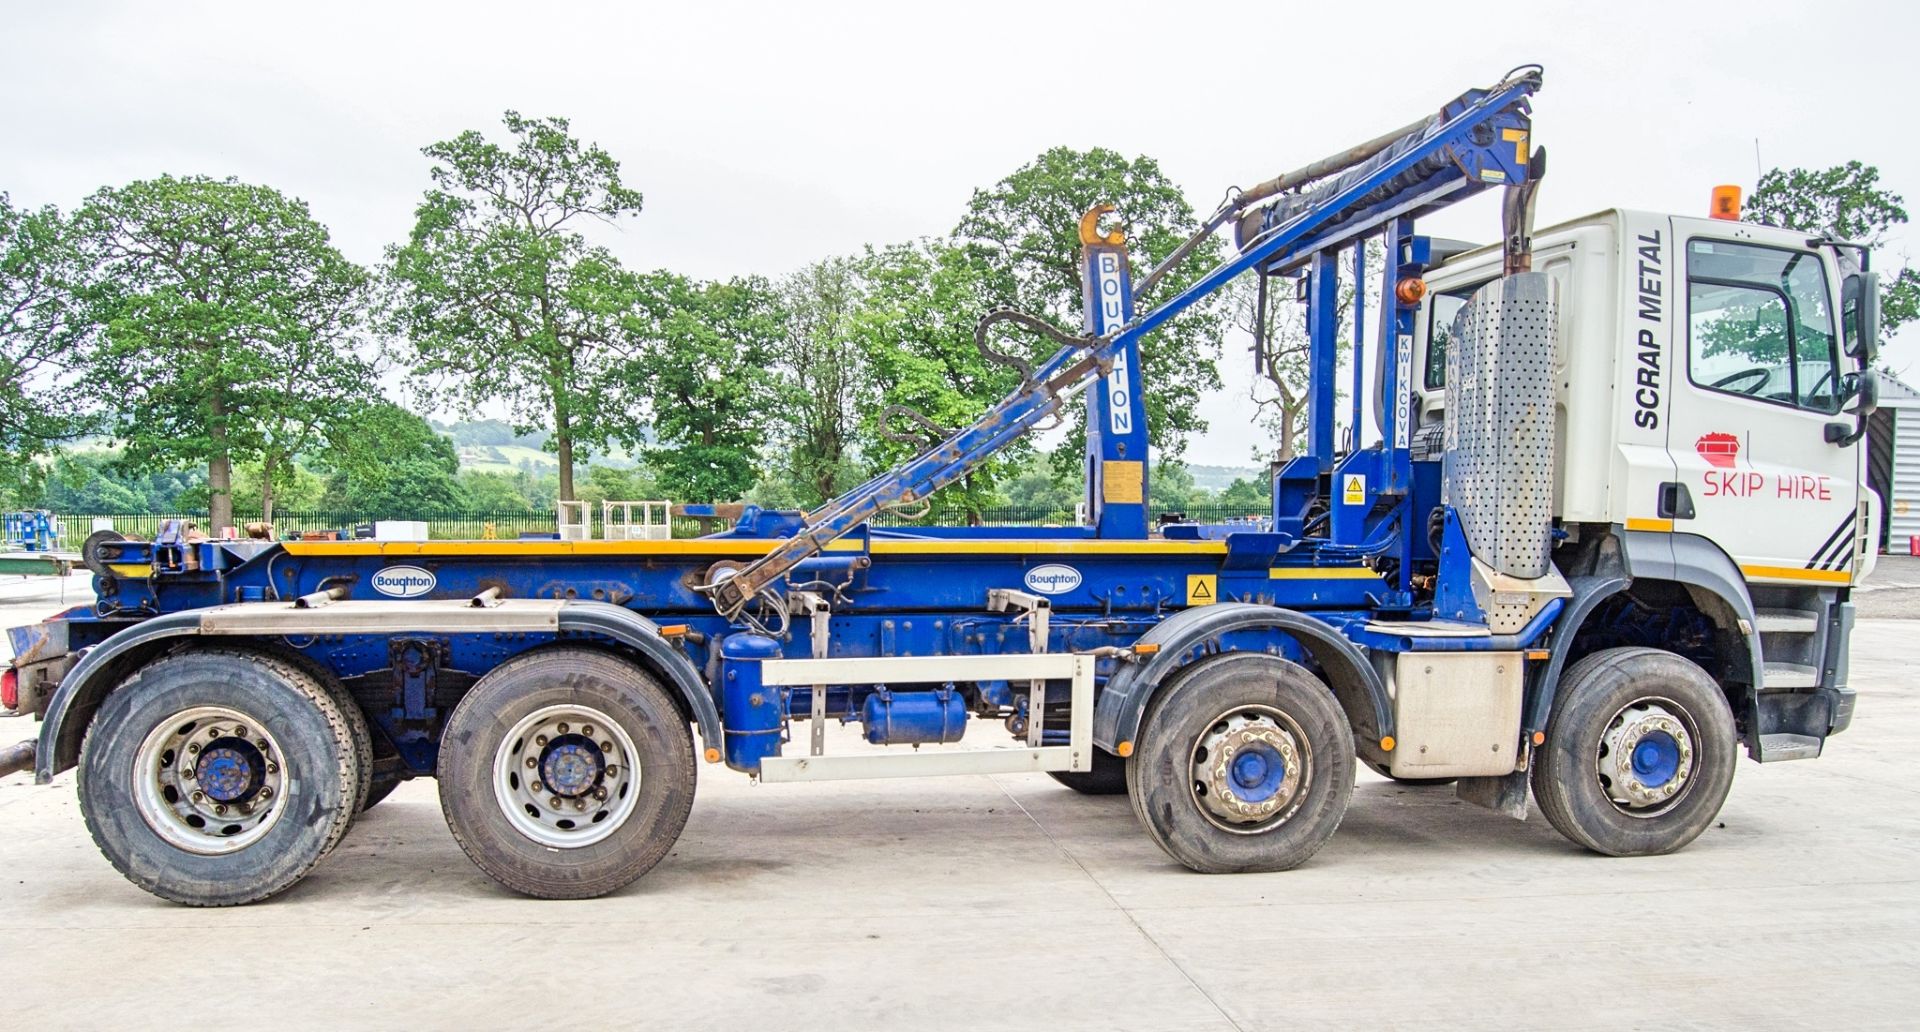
(1894,394)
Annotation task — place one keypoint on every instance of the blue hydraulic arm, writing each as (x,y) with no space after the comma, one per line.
(1477,141)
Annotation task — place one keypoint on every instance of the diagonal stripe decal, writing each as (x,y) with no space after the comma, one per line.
(1839,537)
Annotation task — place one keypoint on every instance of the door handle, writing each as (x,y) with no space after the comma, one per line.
(1676,503)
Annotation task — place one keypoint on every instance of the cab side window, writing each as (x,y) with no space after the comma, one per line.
(1440,315)
(1760,324)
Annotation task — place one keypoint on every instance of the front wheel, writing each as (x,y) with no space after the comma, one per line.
(566,773)
(1244,764)
(1639,754)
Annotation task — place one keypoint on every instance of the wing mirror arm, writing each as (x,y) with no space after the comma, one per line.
(1867,395)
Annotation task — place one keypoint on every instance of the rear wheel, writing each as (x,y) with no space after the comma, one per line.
(1246,764)
(1108,776)
(216,777)
(566,774)
(1639,754)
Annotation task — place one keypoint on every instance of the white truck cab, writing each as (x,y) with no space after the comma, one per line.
(1703,371)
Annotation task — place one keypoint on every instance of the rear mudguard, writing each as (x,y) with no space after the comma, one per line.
(1194,634)
(92,677)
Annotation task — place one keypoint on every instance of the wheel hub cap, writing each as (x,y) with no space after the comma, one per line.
(572,766)
(1248,768)
(566,776)
(210,780)
(1646,757)
(230,770)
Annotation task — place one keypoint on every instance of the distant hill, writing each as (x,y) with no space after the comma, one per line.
(1219,478)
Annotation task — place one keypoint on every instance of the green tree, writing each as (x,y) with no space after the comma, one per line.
(1246,497)
(1034,487)
(824,380)
(1172,489)
(494,492)
(392,464)
(914,331)
(704,361)
(1023,234)
(221,325)
(497,294)
(1848,202)
(1281,388)
(37,335)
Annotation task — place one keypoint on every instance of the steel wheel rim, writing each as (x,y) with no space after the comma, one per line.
(1249,771)
(567,776)
(210,780)
(1647,757)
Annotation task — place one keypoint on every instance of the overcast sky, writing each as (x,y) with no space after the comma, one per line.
(766,137)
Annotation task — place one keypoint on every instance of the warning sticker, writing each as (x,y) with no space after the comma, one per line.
(1354,491)
(1202,589)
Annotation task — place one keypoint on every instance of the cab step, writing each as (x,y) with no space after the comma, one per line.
(1785,621)
(1791,675)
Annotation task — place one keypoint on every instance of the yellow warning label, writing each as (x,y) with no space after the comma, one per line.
(1354,491)
(1202,588)
(1122,480)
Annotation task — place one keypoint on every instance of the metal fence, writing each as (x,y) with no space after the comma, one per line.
(470,526)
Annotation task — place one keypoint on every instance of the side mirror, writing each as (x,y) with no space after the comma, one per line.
(1867,391)
(1863,342)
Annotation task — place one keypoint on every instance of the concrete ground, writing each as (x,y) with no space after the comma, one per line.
(1008,902)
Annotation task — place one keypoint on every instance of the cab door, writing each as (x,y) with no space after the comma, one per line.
(1764,376)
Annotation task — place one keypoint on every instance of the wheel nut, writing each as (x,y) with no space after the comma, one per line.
(600,793)
(194,749)
(213,732)
(555,802)
(262,745)
(220,810)
(189,773)
(539,739)
(612,770)
(265,791)
(199,798)
(579,804)
(563,729)
(272,767)
(606,747)
(587,729)
(537,787)
(532,763)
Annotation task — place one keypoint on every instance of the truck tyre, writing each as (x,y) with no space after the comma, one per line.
(215,777)
(1244,764)
(1639,753)
(566,773)
(1386,772)
(1108,776)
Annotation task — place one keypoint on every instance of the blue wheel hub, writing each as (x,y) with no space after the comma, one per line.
(230,770)
(1656,759)
(572,765)
(1257,771)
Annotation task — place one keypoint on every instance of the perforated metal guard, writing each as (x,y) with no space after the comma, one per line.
(1499,422)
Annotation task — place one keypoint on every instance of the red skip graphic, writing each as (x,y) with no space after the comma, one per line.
(1719,449)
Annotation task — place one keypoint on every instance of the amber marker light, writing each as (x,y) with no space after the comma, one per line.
(1409,291)
(1726,203)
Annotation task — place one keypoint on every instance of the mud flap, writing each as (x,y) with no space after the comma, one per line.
(1505,793)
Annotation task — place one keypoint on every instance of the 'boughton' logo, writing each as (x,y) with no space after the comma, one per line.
(1053,579)
(403,581)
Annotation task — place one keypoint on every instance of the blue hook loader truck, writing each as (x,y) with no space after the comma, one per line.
(1597,538)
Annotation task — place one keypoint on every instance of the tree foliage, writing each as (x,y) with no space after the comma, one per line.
(38,267)
(914,332)
(1022,234)
(1848,202)
(392,464)
(498,296)
(824,383)
(704,362)
(220,324)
